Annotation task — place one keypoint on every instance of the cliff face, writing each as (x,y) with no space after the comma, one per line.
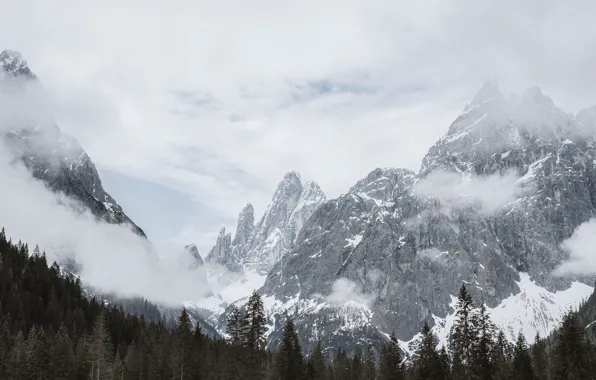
(494,199)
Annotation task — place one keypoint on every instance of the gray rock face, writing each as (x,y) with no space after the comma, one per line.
(194,252)
(221,252)
(53,157)
(258,247)
(495,197)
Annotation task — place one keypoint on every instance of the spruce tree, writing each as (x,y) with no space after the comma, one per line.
(289,361)
(462,338)
(133,361)
(390,367)
(16,367)
(445,363)
(256,323)
(501,358)
(5,347)
(317,368)
(370,364)
(234,326)
(483,340)
(356,366)
(428,364)
(182,354)
(38,358)
(61,355)
(570,358)
(99,351)
(522,362)
(539,359)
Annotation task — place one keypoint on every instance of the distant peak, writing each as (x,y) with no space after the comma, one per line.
(489,91)
(248,209)
(534,95)
(12,62)
(312,185)
(292,176)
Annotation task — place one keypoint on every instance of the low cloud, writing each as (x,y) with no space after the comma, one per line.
(459,190)
(110,257)
(434,255)
(581,247)
(344,290)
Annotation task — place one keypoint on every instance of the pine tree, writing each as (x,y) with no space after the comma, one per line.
(234,326)
(522,362)
(341,365)
(61,355)
(5,347)
(570,358)
(370,366)
(428,365)
(445,363)
(256,323)
(356,365)
(99,351)
(118,370)
(481,366)
(17,359)
(462,338)
(38,358)
(317,368)
(501,358)
(390,367)
(133,361)
(289,361)
(539,359)
(182,354)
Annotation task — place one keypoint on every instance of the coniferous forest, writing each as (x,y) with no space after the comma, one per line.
(50,331)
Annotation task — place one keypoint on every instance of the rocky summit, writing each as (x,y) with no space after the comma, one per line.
(259,247)
(493,201)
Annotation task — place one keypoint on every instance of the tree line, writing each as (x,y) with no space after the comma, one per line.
(50,330)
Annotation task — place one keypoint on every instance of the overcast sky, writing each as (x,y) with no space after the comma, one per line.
(192,108)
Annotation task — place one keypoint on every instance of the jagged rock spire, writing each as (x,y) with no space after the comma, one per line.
(12,62)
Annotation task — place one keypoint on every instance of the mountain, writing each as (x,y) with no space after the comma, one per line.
(259,247)
(194,252)
(490,207)
(51,156)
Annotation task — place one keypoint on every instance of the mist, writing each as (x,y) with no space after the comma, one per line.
(344,290)
(110,258)
(490,193)
(581,247)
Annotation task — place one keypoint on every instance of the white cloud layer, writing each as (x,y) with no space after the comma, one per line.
(344,291)
(112,258)
(581,247)
(458,190)
(219,99)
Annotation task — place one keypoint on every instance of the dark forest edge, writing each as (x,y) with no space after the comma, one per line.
(50,330)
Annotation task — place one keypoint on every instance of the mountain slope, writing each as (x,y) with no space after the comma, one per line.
(495,198)
(51,156)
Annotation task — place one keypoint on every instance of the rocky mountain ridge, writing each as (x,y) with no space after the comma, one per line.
(257,247)
(494,199)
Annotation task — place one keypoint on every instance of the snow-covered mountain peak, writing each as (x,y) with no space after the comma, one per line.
(258,247)
(534,95)
(289,188)
(221,251)
(489,92)
(194,252)
(12,62)
(383,184)
(245,226)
